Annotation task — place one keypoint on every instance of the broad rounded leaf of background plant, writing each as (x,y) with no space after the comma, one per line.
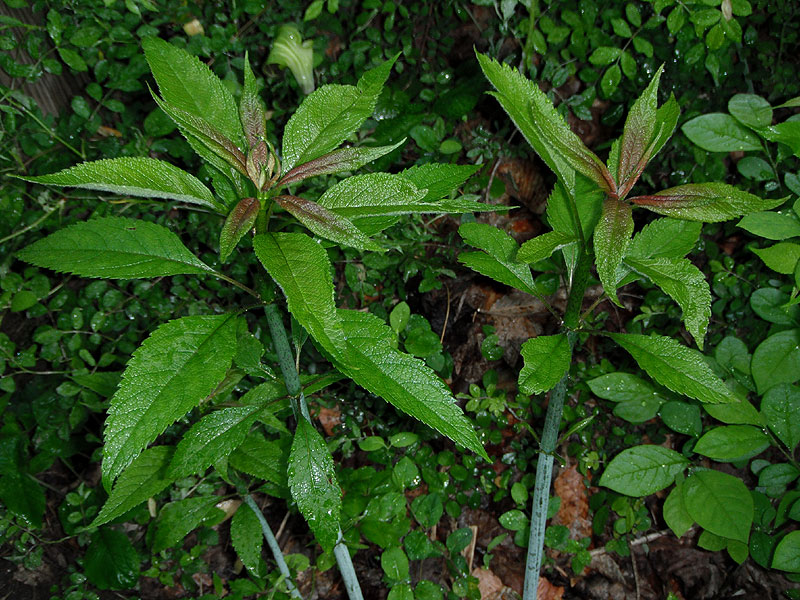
(776,360)
(675,514)
(751,110)
(718,132)
(643,470)
(547,359)
(111,562)
(732,442)
(787,553)
(781,409)
(719,503)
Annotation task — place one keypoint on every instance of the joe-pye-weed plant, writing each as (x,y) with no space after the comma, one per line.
(185,361)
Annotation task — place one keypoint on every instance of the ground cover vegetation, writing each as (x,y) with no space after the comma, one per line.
(354,278)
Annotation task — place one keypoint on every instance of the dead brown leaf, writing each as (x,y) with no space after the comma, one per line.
(329,418)
(574,510)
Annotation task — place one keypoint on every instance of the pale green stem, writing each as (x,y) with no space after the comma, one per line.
(280,342)
(273,545)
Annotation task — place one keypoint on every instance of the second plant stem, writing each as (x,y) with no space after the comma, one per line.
(547,446)
(291,378)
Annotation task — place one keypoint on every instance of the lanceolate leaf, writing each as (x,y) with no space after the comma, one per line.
(145,477)
(261,458)
(208,141)
(111,561)
(189,85)
(639,132)
(372,195)
(251,108)
(326,223)
(498,259)
(709,202)
(134,176)
(438,178)
(542,246)
(175,368)
(611,238)
(685,284)
(330,114)
(238,222)
(665,238)
(300,266)
(515,92)
(344,159)
(213,437)
(588,202)
(403,381)
(674,366)
(312,481)
(247,539)
(547,359)
(643,470)
(115,248)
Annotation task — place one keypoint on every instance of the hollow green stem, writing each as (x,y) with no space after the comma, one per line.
(280,341)
(274,547)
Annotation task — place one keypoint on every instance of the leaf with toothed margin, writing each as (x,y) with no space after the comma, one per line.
(330,114)
(191,86)
(208,141)
(344,159)
(709,202)
(676,367)
(325,223)
(114,248)
(440,179)
(173,370)
(312,481)
(238,222)
(133,176)
(611,238)
(251,108)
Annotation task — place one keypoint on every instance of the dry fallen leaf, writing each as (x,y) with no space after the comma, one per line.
(574,510)
(329,418)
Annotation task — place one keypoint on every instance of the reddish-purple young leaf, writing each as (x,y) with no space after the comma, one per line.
(206,134)
(344,159)
(611,238)
(709,202)
(251,108)
(639,130)
(240,220)
(325,223)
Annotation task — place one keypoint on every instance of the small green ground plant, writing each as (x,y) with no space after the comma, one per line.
(591,214)
(192,363)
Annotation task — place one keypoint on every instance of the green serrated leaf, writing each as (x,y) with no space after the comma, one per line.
(439,179)
(611,238)
(547,359)
(145,477)
(300,266)
(718,132)
(329,115)
(191,86)
(665,238)
(134,176)
(214,436)
(589,202)
(719,503)
(169,374)
(344,159)
(403,381)
(497,261)
(542,247)
(114,248)
(709,202)
(312,481)
(643,470)
(325,223)
(177,519)
(238,222)
(248,540)
(674,366)
(261,458)
(684,283)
